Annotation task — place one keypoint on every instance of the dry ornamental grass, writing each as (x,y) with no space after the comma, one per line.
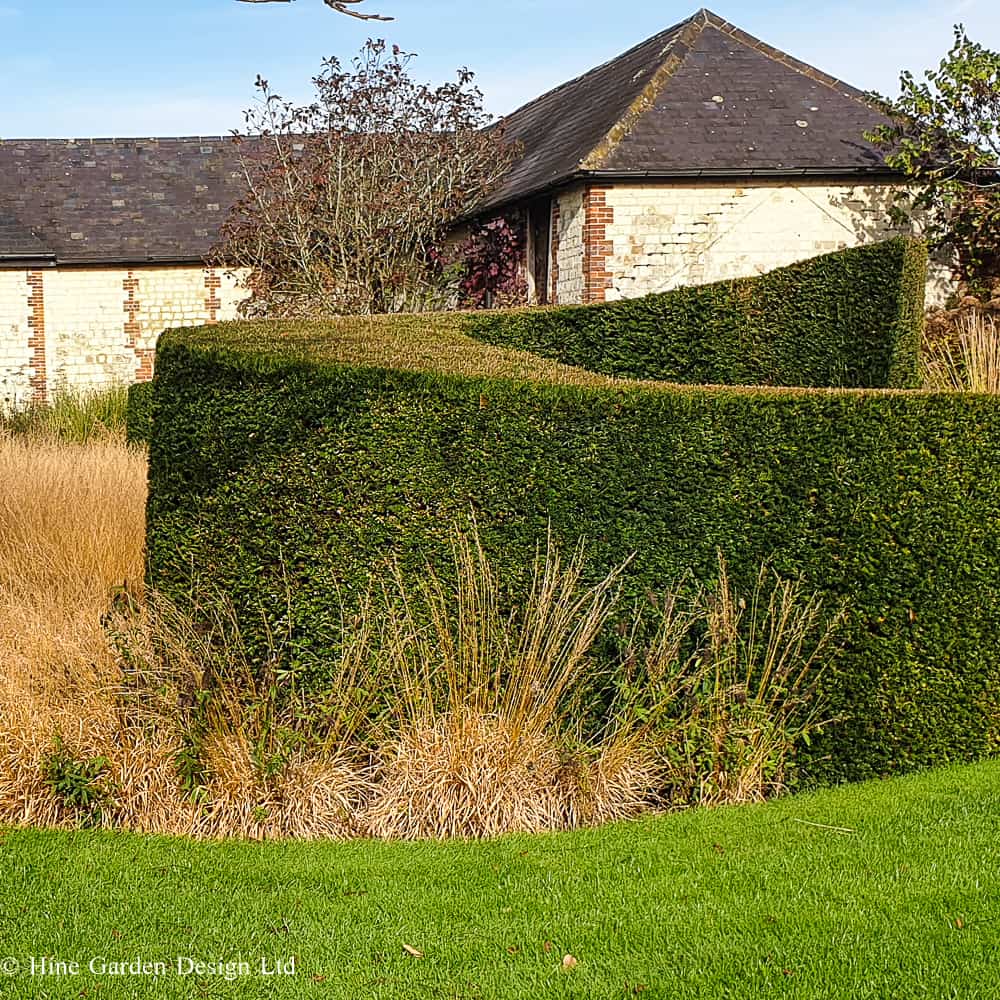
(968,360)
(446,717)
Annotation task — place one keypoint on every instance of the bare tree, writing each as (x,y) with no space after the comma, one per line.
(351,198)
(341,6)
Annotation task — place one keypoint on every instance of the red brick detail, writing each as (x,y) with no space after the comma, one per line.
(144,356)
(212,301)
(554,268)
(36,337)
(597,248)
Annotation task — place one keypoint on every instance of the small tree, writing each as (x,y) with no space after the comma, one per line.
(945,136)
(350,197)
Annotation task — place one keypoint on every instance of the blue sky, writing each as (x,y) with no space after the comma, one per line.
(186,67)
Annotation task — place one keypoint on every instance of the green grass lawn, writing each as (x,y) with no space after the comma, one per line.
(738,902)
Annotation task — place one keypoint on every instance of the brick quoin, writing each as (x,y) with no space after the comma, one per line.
(212,301)
(36,337)
(554,268)
(597,248)
(144,356)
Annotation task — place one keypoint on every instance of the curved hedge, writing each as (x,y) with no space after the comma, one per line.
(852,318)
(295,458)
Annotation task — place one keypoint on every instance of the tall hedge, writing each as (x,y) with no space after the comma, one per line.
(285,467)
(139,412)
(852,318)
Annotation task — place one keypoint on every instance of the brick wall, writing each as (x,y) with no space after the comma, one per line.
(95,327)
(654,237)
(598,246)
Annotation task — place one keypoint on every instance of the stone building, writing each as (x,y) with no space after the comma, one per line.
(701,154)
(698,155)
(102,247)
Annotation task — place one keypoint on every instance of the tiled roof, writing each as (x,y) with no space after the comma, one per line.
(118,200)
(19,243)
(701,97)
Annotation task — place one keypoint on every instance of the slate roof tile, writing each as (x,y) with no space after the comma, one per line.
(118,200)
(656,109)
(18,242)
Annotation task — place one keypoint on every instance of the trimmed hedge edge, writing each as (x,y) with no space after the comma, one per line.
(851,319)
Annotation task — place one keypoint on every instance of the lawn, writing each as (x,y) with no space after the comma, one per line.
(736,902)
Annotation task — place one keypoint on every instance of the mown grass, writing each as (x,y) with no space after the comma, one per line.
(737,902)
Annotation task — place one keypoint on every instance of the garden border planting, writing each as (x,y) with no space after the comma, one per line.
(290,460)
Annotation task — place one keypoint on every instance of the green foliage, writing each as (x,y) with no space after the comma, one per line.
(77,416)
(286,482)
(852,318)
(945,136)
(139,412)
(728,685)
(80,784)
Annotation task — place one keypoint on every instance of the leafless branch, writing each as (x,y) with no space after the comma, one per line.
(341,6)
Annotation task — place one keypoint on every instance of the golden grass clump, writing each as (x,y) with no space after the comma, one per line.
(482,743)
(966,360)
(72,520)
(468,775)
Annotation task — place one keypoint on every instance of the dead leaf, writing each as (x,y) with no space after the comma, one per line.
(513,950)
(547,947)
(319,979)
(569,962)
(414,952)
(718,848)
(959,922)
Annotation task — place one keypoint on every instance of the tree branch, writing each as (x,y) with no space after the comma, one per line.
(341,6)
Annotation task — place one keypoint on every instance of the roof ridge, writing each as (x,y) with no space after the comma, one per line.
(594,69)
(92,140)
(684,37)
(687,33)
(783,58)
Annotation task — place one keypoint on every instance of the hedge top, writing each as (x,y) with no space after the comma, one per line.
(427,344)
(850,319)
(431,343)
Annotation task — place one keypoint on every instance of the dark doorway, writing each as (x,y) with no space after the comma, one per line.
(540,221)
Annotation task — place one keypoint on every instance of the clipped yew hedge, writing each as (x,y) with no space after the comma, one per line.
(139,412)
(288,461)
(852,318)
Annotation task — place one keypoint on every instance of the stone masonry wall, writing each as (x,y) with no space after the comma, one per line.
(16,354)
(98,326)
(654,237)
(567,246)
